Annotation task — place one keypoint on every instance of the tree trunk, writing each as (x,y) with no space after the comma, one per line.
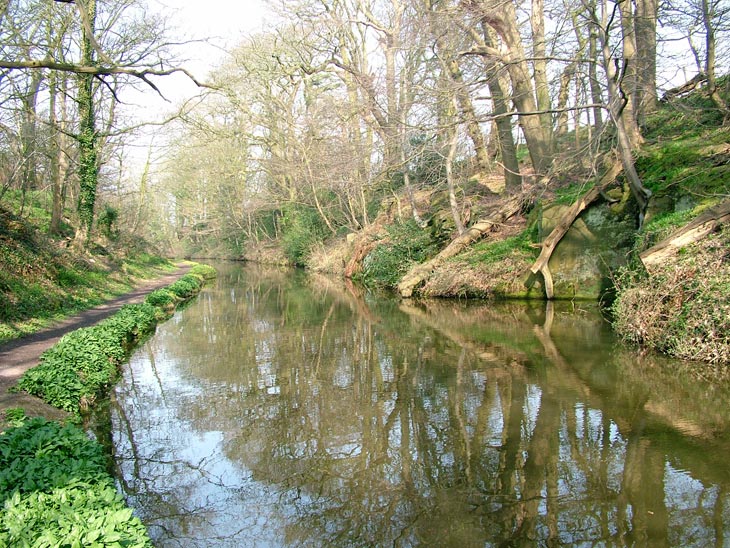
(455,213)
(627,80)
(58,159)
(88,137)
(596,94)
(619,107)
(645,28)
(506,140)
(503,19)
(539,62)
(710,45)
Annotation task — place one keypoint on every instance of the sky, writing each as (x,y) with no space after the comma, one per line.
(212,27)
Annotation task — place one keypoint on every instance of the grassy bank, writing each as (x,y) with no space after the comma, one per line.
(83,363)
(680,309)
(43,279)
(54,487)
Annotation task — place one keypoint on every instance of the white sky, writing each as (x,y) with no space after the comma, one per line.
(212,27)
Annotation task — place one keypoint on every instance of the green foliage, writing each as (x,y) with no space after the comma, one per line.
(106,222)
(161,298)
(661,226)
(186,287)
(56,492)
(688,116)
(41,281)
(405,245)
(41,455)
(80,366)
(302,228)
(84,362)
(204,271)
(14,416)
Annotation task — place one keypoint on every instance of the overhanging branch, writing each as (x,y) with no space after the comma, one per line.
(143,74)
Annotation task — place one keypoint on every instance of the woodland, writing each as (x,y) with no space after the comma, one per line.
(382,140)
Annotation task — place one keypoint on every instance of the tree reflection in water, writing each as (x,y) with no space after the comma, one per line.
(281,409)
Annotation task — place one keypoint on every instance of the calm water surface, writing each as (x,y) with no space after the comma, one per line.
(285,409)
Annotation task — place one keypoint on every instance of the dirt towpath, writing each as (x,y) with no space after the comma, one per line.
(19,355)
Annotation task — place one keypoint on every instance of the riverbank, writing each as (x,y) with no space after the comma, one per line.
(19,355)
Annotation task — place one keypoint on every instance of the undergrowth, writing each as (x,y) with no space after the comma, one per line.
(55,491)
(83,363)
(683,308)
(42,280)
(405,245)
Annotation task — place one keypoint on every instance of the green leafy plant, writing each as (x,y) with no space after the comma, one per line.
(186,287)
(302,229)
(406,244)
(83,363)
(56,492)
(204,271)
(161,298)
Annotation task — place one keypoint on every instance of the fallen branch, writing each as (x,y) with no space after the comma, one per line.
(692,232)
(420,273)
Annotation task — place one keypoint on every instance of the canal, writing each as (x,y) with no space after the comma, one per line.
(286,409)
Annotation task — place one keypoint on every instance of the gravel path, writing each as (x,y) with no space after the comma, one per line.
(19,355)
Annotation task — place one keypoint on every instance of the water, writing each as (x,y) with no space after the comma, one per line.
(285,409)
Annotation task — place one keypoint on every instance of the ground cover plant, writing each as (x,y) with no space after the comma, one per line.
(55,491)
(54,488)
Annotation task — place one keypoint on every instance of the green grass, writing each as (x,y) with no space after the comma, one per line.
(42,281)
(493,251)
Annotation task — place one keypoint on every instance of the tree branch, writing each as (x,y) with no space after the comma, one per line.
(142,74)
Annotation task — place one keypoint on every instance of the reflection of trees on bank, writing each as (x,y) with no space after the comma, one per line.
(368,422)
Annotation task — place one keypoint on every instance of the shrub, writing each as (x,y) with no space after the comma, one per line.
(186,287)
(683,308)
(302,229)
(204,271)
(161,298)
(406,244)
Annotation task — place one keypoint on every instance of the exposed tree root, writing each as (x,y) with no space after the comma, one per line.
(548,245)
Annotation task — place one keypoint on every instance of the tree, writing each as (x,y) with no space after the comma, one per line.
(536,125)
(116,46)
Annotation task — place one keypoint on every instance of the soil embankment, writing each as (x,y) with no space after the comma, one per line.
(19,355)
